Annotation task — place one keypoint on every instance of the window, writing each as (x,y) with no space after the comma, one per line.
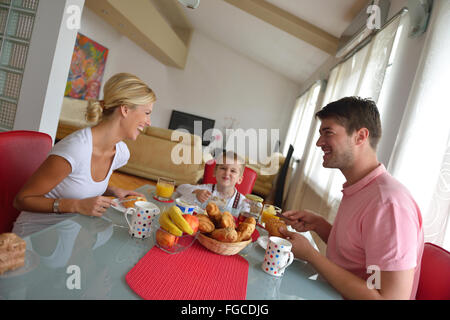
(362,74)
(16,26)
(302,119)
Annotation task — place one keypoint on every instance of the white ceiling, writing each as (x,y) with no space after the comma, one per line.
(268,45)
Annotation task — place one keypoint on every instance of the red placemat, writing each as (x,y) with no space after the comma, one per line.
(194,274)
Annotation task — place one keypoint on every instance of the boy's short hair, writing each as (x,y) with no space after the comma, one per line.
(224,155)
(354,113)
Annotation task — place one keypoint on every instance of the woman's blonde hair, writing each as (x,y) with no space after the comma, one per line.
(120,89)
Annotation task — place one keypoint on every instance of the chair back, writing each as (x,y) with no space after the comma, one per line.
(434,280)
(281,179)
(21,154)
(245,187)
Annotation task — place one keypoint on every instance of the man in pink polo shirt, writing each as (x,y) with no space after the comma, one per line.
(375,246)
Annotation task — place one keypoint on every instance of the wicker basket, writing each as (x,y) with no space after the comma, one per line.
(223,248)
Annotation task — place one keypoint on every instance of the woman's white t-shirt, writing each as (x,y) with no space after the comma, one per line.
(77,150)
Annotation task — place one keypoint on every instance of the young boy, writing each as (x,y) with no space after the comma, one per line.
(228,172)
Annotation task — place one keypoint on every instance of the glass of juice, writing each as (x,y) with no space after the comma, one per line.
(269,212)
(165,188)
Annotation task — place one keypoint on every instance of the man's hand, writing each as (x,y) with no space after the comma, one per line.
(305,220)
(301,247)
(302,220)
(202,194)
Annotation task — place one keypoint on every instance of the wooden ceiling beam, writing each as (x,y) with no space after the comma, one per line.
(143,24)
(289,23)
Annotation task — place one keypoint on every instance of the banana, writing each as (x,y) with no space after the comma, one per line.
(168,225)
(177,217)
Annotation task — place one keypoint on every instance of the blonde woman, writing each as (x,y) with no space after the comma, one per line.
(74,178)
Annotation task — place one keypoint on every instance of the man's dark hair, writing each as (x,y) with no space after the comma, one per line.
(354,113)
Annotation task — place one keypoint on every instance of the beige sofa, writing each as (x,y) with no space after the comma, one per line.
(155,153)
(151,153)
(265,184)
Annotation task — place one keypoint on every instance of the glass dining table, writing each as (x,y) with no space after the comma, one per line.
(88,258)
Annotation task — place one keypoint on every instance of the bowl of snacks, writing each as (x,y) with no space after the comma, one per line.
(220,233)
(175,231)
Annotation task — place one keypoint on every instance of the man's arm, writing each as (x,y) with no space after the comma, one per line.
(393,284)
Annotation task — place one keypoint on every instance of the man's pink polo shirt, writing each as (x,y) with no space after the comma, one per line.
(378,223)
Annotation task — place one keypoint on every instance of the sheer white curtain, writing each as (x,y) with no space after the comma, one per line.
(302,118)
(421,155)
(319,188)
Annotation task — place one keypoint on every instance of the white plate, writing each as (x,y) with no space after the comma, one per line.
(31,262)
(118,206)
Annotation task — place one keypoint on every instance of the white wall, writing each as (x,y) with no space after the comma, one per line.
(216,83)
(47,68)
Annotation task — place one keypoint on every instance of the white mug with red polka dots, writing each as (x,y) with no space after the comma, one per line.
(278,256)
(141,218)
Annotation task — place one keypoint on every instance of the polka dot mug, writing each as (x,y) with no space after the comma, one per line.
(141,218)
(278,256)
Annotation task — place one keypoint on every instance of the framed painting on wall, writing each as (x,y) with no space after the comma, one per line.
(86,69)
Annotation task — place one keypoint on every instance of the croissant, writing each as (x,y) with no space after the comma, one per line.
(132,200)
(213,212)
(205,224)
(250,220)
(273,225)
(245,231)
(225,235)
(227,220)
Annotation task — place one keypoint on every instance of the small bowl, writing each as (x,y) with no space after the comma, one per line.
(172,244)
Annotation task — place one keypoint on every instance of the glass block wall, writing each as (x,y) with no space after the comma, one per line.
(16,25)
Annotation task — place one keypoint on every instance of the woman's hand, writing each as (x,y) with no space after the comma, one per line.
(94,206)
(122,193)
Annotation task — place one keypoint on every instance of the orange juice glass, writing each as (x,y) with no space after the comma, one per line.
(165,188)
(269,212)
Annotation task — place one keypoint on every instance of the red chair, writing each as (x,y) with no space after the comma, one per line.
(22,152)
(434,281)
(245,187)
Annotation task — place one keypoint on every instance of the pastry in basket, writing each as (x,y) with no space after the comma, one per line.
(12,252)
(205,224)
(227,220)
(225,235)
(273,225)
(213,212)
(129,201)
(246,229)
(250,220)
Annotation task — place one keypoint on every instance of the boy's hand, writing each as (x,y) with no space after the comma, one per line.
(202,195)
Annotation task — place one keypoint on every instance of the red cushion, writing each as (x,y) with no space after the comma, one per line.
(434,281)
(22,152)
(245,187)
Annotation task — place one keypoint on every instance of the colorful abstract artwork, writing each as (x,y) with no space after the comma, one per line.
(86,70)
